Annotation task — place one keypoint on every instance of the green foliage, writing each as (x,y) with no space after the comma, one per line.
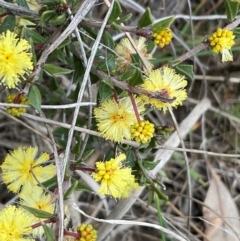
(186,70)
(105,91)
(23,3)
(38,213)
(82,187)
(124,19)
(108,40)
(146,19)
(165,23)
(55,70)
(71,189)
(50,235)
(149,163)
(8,23)
(136,78)
(52,182)
(35,98)
(35,36)
(231,9)
(107,64)
(116,11)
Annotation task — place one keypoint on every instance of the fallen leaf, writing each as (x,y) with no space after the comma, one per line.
(221,218)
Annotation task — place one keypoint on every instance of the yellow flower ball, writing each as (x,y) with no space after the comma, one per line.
(162,37)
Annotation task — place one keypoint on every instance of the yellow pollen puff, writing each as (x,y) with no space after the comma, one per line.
(21,100)
(222,41)
(162,37)
(118,181)
(87,232)
(142,132)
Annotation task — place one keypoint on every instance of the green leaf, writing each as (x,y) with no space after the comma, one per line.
(116,27)
(60,131)
(107,64)
(71,189)
(162,196)
(74,94)
(52,182)
(61,143)
(53,84)
(146,19)
(38,213)
(123,19)
(81,186)
(165,23)
(55,70)
(149,164)
(34,58)
(236,31)
(108,40)
(130,160)
(77,148)
(116,11)
(105,91)
(49,233)
(136,78)
(8,24)
(23,3)
(127,75)
(35,98)
(46,16)
(185,69)
(196,177)
(150,197)
(87,154)
(65,43)
(36,37)
(231,9)
(136,60)
(58,20)
(79,70)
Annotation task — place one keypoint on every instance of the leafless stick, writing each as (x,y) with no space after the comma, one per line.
(18,10)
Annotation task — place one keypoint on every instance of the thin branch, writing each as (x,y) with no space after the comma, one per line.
(83,85)
(187,167)
(147,33)
(18,10)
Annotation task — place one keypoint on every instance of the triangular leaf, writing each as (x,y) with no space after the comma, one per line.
(146,19)
(35,98)
(185,69)
(8,24)
(105,91)
(130,160)
(50,236)
(116,11)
